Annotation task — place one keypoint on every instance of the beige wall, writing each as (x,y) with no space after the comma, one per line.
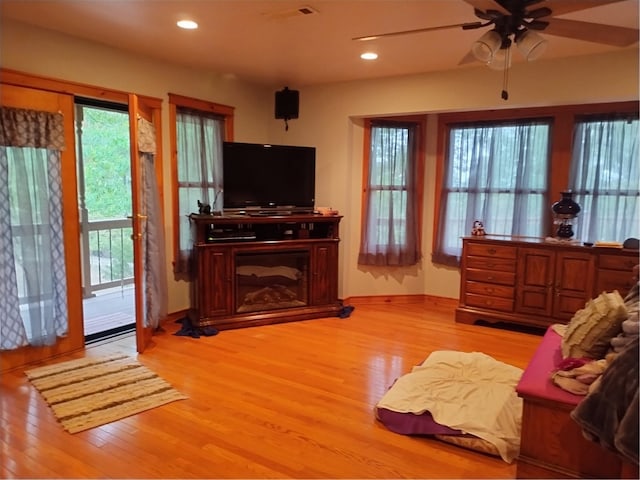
(330,120)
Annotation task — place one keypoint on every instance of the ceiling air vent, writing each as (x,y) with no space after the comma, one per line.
(292,12)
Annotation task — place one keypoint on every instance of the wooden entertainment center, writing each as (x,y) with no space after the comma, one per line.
(256,269)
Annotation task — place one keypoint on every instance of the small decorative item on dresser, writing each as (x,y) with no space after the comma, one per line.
(204,208)
(564,211)
(326,211)
(478,229)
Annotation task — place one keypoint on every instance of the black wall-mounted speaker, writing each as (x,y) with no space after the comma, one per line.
(287,102)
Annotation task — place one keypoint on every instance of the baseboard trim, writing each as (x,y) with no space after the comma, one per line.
(172,317)
(401,300)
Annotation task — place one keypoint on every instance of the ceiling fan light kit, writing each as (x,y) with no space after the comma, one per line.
(518,21)
(531,45)
(501,60)
(485,48)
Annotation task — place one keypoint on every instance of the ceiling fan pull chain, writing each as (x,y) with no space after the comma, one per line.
(505,75)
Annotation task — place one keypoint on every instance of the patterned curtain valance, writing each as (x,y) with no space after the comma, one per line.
(31,128)
(146,136)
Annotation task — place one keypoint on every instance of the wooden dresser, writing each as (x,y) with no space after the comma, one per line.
(535,282)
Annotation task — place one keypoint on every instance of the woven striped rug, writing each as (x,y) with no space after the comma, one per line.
(90,392)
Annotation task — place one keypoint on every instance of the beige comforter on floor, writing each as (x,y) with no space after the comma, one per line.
(471,392)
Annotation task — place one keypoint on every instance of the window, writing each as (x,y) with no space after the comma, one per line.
(506,168)
(392,193)
(605,178)
(200,130)
(495,173)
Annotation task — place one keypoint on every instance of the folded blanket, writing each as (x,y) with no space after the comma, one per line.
(577,380)
(631,326)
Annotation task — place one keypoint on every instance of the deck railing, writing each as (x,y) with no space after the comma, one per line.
(107,252)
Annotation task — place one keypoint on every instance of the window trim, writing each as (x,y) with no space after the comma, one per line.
(563,119)
(180,101)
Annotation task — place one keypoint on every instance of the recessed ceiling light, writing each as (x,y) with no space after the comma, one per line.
(187,24)
(369,56)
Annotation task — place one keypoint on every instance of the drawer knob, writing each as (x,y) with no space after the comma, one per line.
(492,251)
(490,277)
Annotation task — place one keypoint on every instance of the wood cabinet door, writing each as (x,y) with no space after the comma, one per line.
(215,282)
(534,281)
(324,272)
(574,280)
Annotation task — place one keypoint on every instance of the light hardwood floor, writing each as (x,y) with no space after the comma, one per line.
(293,400)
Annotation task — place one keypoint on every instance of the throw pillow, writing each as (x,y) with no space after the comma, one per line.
(591,329)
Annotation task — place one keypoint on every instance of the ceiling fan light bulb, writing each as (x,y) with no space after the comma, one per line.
(486,46)
(531,45)
(501,60)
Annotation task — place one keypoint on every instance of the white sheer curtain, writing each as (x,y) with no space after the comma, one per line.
(495,173)
(154,254)
(199,142)
(33,286)
(605,178)
(390,232)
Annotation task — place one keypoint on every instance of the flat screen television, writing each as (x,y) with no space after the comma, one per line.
(259,177)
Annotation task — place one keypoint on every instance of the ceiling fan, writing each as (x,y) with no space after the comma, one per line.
(518,21)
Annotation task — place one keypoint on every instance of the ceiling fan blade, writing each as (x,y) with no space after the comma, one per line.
(592,32)
(560,7)
(466,26)
(468,58)
(538,13)
(486,5)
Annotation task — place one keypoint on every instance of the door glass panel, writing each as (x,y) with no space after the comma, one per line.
(104,198)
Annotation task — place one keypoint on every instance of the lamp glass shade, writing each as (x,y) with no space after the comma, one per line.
(531,45)
(565,211)
(501,60)
(486,46)
(566,207)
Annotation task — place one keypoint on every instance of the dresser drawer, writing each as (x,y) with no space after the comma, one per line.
(489,263)
(617,262)
(609,280)
(491,250)
(490,303)
(490,289)
(487,276)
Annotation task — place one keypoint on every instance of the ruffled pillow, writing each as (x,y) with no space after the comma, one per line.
(591,329)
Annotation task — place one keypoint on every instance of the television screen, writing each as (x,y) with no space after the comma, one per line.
(263,177)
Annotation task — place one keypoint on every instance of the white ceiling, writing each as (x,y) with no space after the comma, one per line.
(268,42)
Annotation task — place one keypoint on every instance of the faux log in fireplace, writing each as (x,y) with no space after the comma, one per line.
(269,281)
(257,270)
